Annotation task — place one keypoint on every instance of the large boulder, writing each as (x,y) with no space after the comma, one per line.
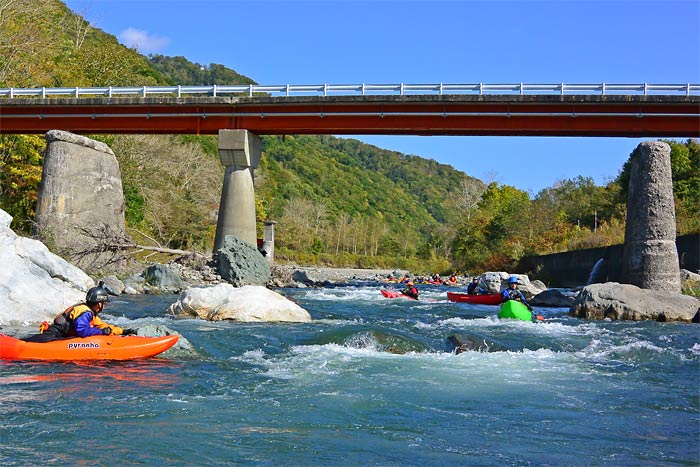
(35,284)
(496,282)
(552,298)
(183,347)
(241,264)
(492,282)
(688,276)
(247,304)
(162,279)
(624,301)
(113,285)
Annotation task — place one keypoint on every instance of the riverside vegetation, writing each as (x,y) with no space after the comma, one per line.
(339,202)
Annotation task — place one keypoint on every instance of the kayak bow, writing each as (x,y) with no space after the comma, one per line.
(514,310)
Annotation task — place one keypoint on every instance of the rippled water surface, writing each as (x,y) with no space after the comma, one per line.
(371,381)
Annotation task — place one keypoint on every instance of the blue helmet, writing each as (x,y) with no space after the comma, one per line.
(512,280)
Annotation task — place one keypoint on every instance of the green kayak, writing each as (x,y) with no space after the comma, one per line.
(514,310)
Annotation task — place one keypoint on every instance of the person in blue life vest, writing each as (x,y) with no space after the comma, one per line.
(81,320)
(410,290)
(473,288)
(512,292)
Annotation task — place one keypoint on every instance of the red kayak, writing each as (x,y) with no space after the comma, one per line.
(485,299)
(394,294)
(87,348)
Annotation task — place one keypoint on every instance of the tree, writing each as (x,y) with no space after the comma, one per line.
(172,187)
(21,158)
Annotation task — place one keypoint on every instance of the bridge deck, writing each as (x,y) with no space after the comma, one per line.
(501,115)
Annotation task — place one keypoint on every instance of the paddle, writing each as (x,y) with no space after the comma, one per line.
(537,317)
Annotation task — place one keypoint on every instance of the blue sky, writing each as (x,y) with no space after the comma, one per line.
(350,42)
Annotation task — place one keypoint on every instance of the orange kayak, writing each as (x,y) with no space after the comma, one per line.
(87,348)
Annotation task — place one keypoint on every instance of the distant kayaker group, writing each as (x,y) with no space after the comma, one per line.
(512,300)
(434,279)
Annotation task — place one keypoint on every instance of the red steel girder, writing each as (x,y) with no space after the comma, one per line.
(633,116)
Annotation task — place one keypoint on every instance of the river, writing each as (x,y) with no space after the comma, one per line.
(371,381)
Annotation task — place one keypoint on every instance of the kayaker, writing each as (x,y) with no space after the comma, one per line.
(81,320)
(473,288)
(410,290)
(512,292)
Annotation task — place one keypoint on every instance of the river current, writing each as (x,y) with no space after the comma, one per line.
(371,381)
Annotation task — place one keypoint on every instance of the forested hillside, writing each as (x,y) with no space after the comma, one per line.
(338,201)
(179,70)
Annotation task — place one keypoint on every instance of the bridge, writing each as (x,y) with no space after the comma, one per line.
(615,110)
(239,113)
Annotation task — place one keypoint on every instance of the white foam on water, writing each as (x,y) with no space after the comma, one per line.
(323,364)
(605,350)
(339,322)
(344,294)
(370,294)
(255,357)
(695,349)
(546,328)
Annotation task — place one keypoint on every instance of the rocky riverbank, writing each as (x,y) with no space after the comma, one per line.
(35,284)
(292,275)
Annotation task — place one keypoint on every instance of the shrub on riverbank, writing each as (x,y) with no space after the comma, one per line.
(349,260)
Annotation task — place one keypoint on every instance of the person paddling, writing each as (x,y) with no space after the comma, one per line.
(513,293)
(410,290)
(473,288)
(81,320)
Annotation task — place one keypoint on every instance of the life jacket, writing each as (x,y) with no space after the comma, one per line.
(62,322)
(66,318)
(515,294)
(74,312)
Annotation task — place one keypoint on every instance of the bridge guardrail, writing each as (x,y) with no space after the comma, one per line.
(359,89)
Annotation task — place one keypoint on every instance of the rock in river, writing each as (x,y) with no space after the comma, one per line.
(35,284)
(250,303)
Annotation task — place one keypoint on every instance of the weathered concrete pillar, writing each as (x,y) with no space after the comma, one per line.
(240,152)
(650,258)
(81,189)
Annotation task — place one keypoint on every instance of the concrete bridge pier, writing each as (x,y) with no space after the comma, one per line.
(240,152)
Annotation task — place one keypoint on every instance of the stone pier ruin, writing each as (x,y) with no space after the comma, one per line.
(81,189)
(650,258)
